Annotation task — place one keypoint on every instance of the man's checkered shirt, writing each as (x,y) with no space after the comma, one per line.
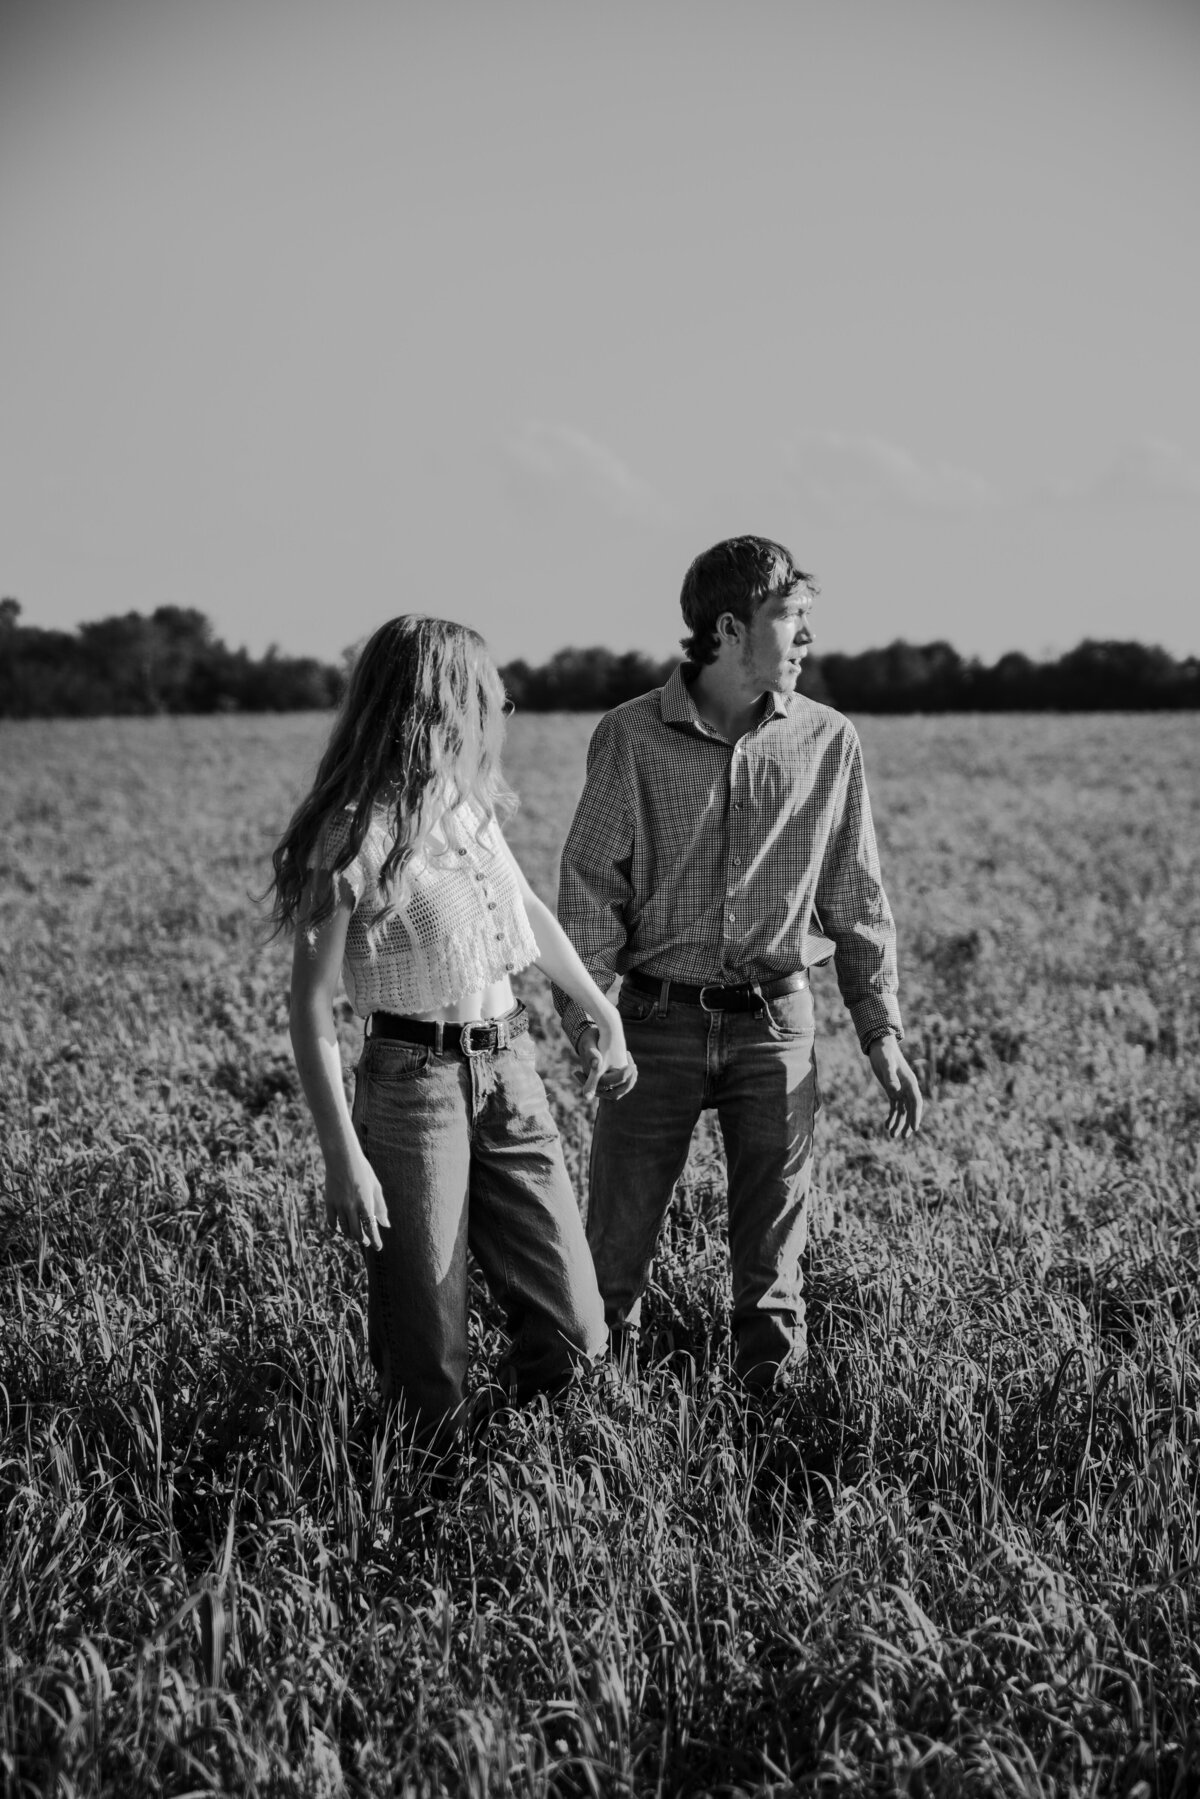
(697,860)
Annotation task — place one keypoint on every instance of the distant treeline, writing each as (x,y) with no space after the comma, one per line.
(904,677)
(169,662)
(172,662)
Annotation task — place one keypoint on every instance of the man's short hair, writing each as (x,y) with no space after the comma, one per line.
(736,576)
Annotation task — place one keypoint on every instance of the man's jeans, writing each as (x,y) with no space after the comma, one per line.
(467,1154)
(758,1069)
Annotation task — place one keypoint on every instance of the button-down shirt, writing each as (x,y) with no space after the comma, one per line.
(695,859)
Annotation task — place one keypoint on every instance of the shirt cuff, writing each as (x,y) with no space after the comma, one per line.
(575,1021)
(875,1017)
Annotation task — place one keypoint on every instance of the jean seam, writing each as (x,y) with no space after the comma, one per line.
(483,1189)
(716,1052)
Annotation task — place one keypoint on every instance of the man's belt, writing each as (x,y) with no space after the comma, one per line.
(473,1038)
(744,996)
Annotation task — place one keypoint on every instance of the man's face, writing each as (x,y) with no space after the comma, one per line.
(776,642)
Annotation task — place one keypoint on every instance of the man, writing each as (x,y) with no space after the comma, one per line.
(722,847)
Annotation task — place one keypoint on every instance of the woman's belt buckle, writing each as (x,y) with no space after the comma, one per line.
(464,1041)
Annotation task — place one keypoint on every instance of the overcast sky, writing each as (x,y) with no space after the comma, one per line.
(311,314)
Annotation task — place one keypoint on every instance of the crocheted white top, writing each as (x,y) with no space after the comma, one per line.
(458,921)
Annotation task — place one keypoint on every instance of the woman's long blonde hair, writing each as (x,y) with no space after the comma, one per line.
(419,732)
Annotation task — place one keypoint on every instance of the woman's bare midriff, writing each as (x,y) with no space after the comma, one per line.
(489,1002)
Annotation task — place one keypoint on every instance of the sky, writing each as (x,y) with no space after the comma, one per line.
(313,314)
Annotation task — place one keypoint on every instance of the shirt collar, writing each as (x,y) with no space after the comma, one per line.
(679,708)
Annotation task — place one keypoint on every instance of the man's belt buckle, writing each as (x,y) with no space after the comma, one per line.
(743,996)
(464,1040)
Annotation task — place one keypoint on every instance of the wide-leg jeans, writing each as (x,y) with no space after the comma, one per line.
(468,1156)
(758,1070)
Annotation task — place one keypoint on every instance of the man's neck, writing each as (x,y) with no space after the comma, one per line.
(723,702)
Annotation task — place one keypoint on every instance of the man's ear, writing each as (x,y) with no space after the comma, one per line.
(728,628)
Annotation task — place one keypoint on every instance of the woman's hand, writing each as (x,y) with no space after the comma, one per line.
(354,1200)
(605,1065)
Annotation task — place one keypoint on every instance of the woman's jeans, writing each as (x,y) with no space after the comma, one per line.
(468,1156)
(758,1069)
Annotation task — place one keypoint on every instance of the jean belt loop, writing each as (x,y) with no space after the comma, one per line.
(664,999)
(756,989)
(502,1033)
(437,1037)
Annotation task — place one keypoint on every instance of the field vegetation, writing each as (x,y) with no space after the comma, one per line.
(961,1557)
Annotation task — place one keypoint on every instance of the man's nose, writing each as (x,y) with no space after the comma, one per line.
(804,634)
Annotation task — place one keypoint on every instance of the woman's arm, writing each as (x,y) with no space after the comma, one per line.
(353,1196)
(560,960)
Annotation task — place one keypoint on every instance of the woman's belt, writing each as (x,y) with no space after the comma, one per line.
(473,1037)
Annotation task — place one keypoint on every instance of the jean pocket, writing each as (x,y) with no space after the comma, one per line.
(791,1014)
(389,1062)
(635,1007)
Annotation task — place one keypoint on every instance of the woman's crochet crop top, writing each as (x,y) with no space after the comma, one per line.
(457,923)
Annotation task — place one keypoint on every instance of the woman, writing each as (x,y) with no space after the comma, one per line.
(395,874)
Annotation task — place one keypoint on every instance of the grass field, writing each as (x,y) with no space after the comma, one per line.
(964,1558)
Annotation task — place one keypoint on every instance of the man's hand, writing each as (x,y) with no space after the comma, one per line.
(354,1200)
(604,1066)
(901,1086)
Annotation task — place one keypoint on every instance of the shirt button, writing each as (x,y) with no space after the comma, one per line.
(737,805)
(729,916)
(510,966)
(491,905)
(499,936)
(737,861)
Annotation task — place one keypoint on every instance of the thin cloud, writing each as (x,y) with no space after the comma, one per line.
(849,475)
(563,457)
(1150,469)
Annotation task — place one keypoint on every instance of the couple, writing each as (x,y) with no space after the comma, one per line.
(722,847)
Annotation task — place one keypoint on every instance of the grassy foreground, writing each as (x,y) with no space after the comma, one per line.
(963,1558)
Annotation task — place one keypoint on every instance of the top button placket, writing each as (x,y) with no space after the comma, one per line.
(491,906)
(737,815)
